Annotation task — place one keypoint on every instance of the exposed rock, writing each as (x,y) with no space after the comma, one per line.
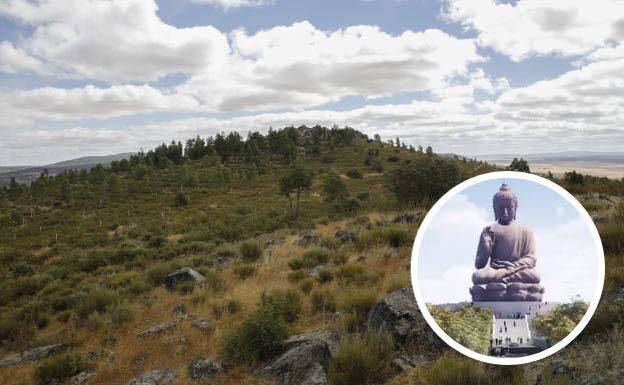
(336,316)
(92,355)
(157,329)
(154,377)
(315,272)
(305,360)
(203,324)
(188,317)
(398,314)
(361,259)
(82,377)
(204,368)
(181,275)
(404,363)
(406,218)
(179,310)
(139,360)
(33,354)
(345,236)
(307,239)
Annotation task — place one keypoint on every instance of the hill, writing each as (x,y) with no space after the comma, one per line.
(300,230)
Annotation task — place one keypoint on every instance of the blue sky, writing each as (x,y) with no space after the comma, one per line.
(565,250)
(471,77)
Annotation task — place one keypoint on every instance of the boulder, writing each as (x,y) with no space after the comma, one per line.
(307,239)
(181,275)
(33,354)
(157,329)
(345,236)
(203,324)
(201,368)
(406,218)
(315,272)
(154,377)
(361,259)
(398,314)
(82,377)
(305,361)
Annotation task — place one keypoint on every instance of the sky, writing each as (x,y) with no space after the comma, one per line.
(85,77)
(565,249)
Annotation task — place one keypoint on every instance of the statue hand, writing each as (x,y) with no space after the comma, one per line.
(502,264)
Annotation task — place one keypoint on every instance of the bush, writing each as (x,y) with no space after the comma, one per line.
(59,368)
(283,304)
(214,281)
(424,179)
(340,258)
(390,236)
(296,276)
(244,271)
(362,359)
(325,276)
(358,301)
(612,237)
(354,174)
(323,300)
(357,275)
(306,285)
(250,251)
(315,256)
(260,337)
(97,300)
(296,263)
(156,275)
(181,199)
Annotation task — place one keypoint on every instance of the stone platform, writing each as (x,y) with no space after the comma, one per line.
(513,309)
(516,291)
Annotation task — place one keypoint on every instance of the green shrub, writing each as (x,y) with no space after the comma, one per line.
(296,276)
(315,256)
(358,301)
(214,282)
(181,199)
(59,368)
(357,275)
(97,300)
(354,173)
(384,236)
(156,275)
(323,300)
(250,251)
(244,271)
(612,237)
(185,287)
(230,306)
(340,258)
(283,304)
(296,263)
(362,359)
(260,337)
(325,275)
(451,369)
(306,285)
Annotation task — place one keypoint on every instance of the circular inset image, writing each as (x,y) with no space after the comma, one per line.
(507,268)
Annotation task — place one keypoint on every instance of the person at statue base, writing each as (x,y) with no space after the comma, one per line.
(509,248)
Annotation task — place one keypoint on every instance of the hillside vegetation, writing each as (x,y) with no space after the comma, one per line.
(84,255)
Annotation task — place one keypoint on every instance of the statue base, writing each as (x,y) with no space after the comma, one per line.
(517,291)
(516,309)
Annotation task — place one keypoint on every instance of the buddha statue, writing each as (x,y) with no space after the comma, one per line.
(505,258)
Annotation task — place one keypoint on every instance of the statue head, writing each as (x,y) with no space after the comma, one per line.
(505,204)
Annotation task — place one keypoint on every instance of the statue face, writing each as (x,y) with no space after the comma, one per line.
(505,210)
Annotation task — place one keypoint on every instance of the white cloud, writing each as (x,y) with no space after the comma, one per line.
(15,60)
(227,4)
(570,27)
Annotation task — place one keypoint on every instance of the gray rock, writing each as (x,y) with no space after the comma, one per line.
(406,218)
(82,377)
(157,329)
(307,239)
(203,324)
(154,377)
(305,360)
(33,354)
(179,310)
(204,368)
(182,275)
(92,355)
(315,272)
(139,360)
(361,259)
(345,236)
(398,314)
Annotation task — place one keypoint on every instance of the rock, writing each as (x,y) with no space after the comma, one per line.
(305,360)
(204,368)
(315,272)
(179,310)
(139,360)
(157,329)
(203,324)
(406,218)
(92,355)
(188,317)
(154,377)
(82,377)
(336,316)
(404,363)
(398,314)
(361,259)
(181,275)
(307,239)
(33,354)
(345,236)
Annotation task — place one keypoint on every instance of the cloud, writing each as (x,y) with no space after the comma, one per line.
(227,4)
(528,28)
(15,60)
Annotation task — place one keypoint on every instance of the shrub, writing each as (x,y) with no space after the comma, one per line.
(156,275)
(363,196)
(358,301)
(250,251)
(390,236)
(340,258)
(296,276)
(230,306)
(612,237)
(352,274)
(296,263)
(260,337)
(157,241)
(97,300)
(244,271)
(315,256)
(323,300)
(354,173)
(283,304)
(185,287)
(181,199)
(59,368)
(451,369)
(214,281)
(306,285)
(362,359)
(325,275)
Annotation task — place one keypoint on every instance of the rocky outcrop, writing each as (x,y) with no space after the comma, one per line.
(201,368)
(305,360)
(398,314)
(157,329)
(182,275)
(33,354)
(82,377)
(406,218)
(154,377)
(345,236)
(203,324)
(307,239)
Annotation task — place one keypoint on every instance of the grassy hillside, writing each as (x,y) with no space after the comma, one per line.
(469,326)
(83,255)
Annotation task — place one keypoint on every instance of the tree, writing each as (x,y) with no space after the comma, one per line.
(573,178)
(297,180)
(423,179)
(429,150)
(334,189)
(519,165)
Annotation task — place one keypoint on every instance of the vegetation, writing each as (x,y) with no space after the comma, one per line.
(469,326)
(559,322)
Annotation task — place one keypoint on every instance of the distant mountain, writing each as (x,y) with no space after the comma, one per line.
(564,155)
(25,174)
